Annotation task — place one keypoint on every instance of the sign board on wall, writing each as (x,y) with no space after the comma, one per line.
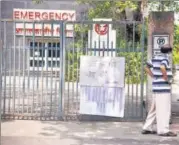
(102,86)
(158,41)
(102,38)
(42,15)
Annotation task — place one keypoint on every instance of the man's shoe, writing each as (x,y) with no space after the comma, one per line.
(168,134)
(148,132)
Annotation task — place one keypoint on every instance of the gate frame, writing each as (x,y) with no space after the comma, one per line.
(62,38)
(142,43)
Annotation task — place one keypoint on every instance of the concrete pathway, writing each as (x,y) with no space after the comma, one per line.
(80,133)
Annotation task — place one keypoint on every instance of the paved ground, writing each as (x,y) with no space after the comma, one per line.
(80,133)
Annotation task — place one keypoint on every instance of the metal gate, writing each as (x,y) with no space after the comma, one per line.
(40,66)
(129,44)
(30,68)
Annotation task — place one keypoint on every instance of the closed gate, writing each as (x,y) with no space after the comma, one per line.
(30,68)
(98,39)
(40,65)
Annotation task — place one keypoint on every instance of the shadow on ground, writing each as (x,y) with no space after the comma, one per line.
(79,133)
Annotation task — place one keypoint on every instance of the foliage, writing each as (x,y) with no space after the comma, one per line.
(164,6)
(72,65)
(176,45)
(133,66)
(72,60)
(109,9)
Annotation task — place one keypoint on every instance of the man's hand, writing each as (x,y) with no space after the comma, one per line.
(164,72)
(148,71)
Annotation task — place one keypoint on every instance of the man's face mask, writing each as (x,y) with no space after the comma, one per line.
(166,49)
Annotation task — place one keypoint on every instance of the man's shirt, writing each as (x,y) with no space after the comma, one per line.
(158,83)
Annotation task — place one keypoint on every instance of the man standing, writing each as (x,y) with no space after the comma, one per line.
(160,71)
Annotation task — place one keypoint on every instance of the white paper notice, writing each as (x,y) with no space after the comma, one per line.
(102,71)
(102,86)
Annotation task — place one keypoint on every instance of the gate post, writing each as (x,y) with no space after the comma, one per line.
(160,32)
(0,71)
(62,69)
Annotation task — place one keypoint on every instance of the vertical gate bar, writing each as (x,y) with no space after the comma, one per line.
(135,51)
(56,73)
(99,46)
(138,77)
(24,68)
(133,45)
(9,77)
(78,64)
(37,83)
(90,44)
(113,48)
(131,74)
(73,103)
(36,73)
(64,54)
(28,78)
(79,51)
(68,51)
(86,48)
(2,59)
(0,74)
(62,34)
(33,77)
(82,36)
(146,104)
(142,68)
(103,45)
(14,77)
(126,47)
(136,114)
(42,73)
(68,79)
(108,43)
(95,45)
(19,71)
(47,78)
(2,63)
(116,50)
(94,51)
(137,98)
(8,73)
(4,52)
(51,78)
(59,76)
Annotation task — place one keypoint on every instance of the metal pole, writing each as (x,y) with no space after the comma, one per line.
(142,68)
(0,85)
(0,73)
(62,66)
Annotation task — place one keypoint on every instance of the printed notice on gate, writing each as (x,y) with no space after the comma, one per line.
(102,86)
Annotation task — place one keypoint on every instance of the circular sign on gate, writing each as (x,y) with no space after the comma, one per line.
(101,29)
(160,41)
